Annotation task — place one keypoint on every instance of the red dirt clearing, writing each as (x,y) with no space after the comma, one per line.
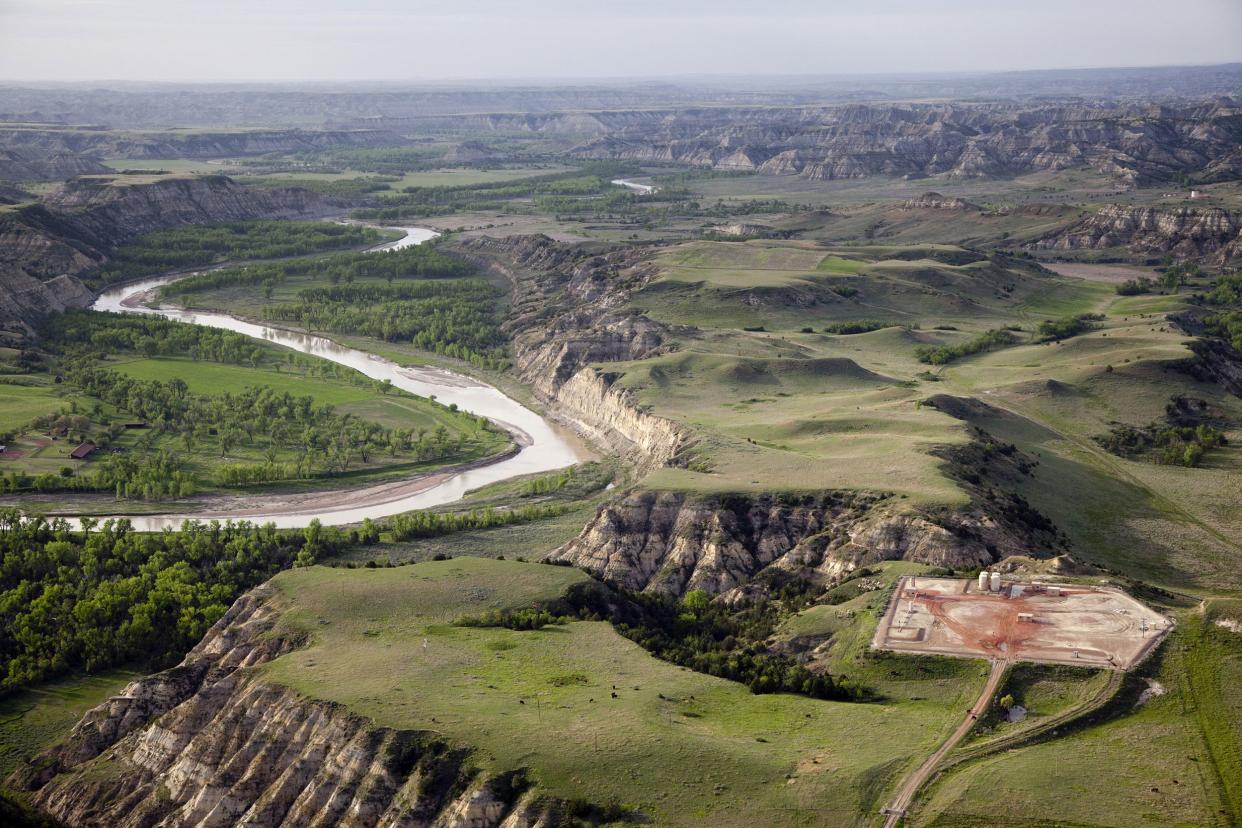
(1062,624)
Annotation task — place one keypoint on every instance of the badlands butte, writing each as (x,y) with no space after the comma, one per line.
(845,342)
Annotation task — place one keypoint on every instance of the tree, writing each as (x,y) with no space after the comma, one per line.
(696,600)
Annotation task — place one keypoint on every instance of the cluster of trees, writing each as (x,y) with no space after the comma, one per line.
(529,618)
(321,441)
(857,326)
(944,354)
(1227,292)
(493,195)
(1137,287)
(426,524)
(1167,445)
(693,632)
(1227,326)
(146,476)
(1227,295)
(100,334)
(548,483)
(420,261)
(456,319)
(106,595)
(1054,330)
(202,244)
(1172,277)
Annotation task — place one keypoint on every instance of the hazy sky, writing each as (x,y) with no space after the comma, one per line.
(178,40)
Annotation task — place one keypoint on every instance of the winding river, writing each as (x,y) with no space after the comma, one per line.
(543,447)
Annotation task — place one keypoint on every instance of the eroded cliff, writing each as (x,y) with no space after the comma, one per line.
(673,542)
(210,743)
(570,318)
(1135,144)
(1211,234)
(46,249)
(568,315)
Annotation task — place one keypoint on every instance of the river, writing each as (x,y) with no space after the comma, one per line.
(544,447)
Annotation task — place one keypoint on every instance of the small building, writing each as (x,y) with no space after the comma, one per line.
(83,451)
(1026,618)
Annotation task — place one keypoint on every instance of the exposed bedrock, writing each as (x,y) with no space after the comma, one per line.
(47,248)
(1211,234)
(210,744)
(569,315)
(1135,144)
(673,542)
(570,319)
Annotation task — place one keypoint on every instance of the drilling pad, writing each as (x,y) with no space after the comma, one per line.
(1021,621)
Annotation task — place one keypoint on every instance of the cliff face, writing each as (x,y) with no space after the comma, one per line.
(936,201)
(569,319)
(674,542)
(569,312)
(1135,144)
(1212,234)
(109,211)
(46,166)
(210,744)
(45,249)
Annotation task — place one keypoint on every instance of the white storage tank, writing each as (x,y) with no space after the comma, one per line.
(983,581)
(994,582)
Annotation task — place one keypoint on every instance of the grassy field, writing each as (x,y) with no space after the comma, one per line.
(681,747)
(574,504)
(773,404)
(347,392)
(1149,764)
(34,719)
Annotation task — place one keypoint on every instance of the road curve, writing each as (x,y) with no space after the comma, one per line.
(905,794)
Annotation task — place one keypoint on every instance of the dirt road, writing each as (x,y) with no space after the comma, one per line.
(905,794)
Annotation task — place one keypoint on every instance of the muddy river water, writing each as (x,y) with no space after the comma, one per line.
(543,446)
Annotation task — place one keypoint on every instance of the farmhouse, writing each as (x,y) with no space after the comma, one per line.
(83,451)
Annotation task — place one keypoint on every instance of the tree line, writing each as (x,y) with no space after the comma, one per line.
(458,321)
(107,595)
(204,244)
(694,632)
(426,524)
(420,261)
(944,354)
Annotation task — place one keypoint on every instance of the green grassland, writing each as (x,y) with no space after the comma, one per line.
(347,392)
(684,748)
(814,410)
(349,395)
(248,302)
(681,747)
(1171,758)
(37,717)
